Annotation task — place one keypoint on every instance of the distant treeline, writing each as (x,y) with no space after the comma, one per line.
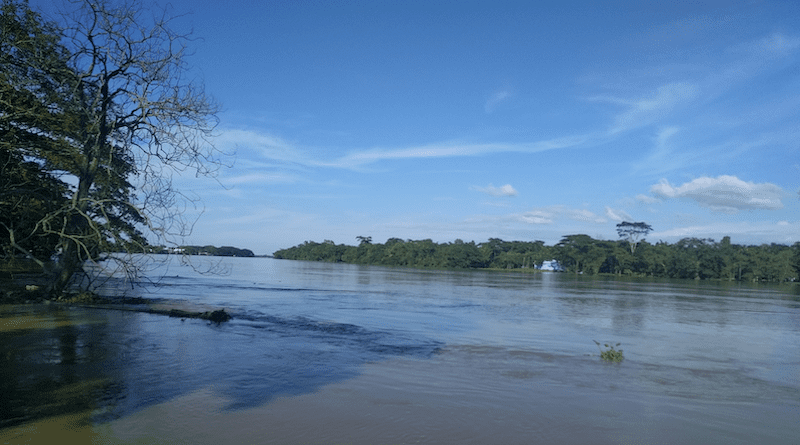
(204,250)
(689,258)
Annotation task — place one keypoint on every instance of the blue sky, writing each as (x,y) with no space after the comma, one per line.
(513,120)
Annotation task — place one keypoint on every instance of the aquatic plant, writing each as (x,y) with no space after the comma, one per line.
(610,354)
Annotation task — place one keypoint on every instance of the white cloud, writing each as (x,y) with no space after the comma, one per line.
(261,178)
(496,204)
(583,215)
(536,217)
(750,232)
(450,149)
(724,193)
(506,190)
(551,214)
(780,43)
(647,199)
(663,136)
(648,109)
(617,215)
(545,223)
(253,145)
(263,143)
(662,157)
(495,100)
(776,43)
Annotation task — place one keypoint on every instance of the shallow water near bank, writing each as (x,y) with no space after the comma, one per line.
(334,353)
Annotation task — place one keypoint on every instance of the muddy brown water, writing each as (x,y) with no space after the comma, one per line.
(332,353)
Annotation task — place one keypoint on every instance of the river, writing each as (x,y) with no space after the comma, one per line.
(337,353)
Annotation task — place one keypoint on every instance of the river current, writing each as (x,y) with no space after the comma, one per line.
(336,353)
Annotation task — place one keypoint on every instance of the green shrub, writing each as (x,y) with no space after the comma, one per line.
(610,354)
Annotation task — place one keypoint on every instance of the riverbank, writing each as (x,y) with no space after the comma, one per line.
(27,288)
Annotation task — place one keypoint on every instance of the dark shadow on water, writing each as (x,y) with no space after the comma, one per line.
(60,360)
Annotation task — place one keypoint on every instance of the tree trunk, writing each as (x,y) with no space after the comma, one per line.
(71,258)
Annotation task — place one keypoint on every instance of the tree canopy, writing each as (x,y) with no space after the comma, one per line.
(633,232)
(689,258)
(96,115)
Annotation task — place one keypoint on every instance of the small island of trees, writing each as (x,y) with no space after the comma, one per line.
(689,258)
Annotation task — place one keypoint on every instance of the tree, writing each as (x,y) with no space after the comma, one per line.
(572,251)
(34,128)
(26,195)
(633,232)
(111,115)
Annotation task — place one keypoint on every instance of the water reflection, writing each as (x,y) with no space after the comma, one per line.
(49,363)
(104,364)
(510,346)
(629,312)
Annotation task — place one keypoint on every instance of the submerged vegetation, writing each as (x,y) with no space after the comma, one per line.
(689,258)
(610,354)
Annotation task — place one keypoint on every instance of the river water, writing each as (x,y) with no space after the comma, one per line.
(336,353)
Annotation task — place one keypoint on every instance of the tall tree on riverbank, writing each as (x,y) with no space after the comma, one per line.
(117,121)
(633,232)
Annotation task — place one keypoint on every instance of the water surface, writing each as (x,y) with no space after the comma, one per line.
(335,353)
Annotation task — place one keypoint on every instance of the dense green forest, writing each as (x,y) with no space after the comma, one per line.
(689,258)
(204,250)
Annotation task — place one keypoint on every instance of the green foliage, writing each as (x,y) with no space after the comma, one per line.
(689,258)
(94,112)
(633,232)
(57,123)
(423,254)
(33,74)
(216,251)
(27,196)
(610,354)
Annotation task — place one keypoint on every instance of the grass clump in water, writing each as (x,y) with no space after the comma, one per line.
(611,354)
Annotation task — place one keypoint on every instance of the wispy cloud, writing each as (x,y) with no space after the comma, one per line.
(662,157)
(451,149)
(551,215)
(495,99)
(617,215)
(262,145)
(261,178)
(742,62)
(649,108)
(774,44)
(506,190)
(724,193)
(740,232)
(259,215)
(647,199)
